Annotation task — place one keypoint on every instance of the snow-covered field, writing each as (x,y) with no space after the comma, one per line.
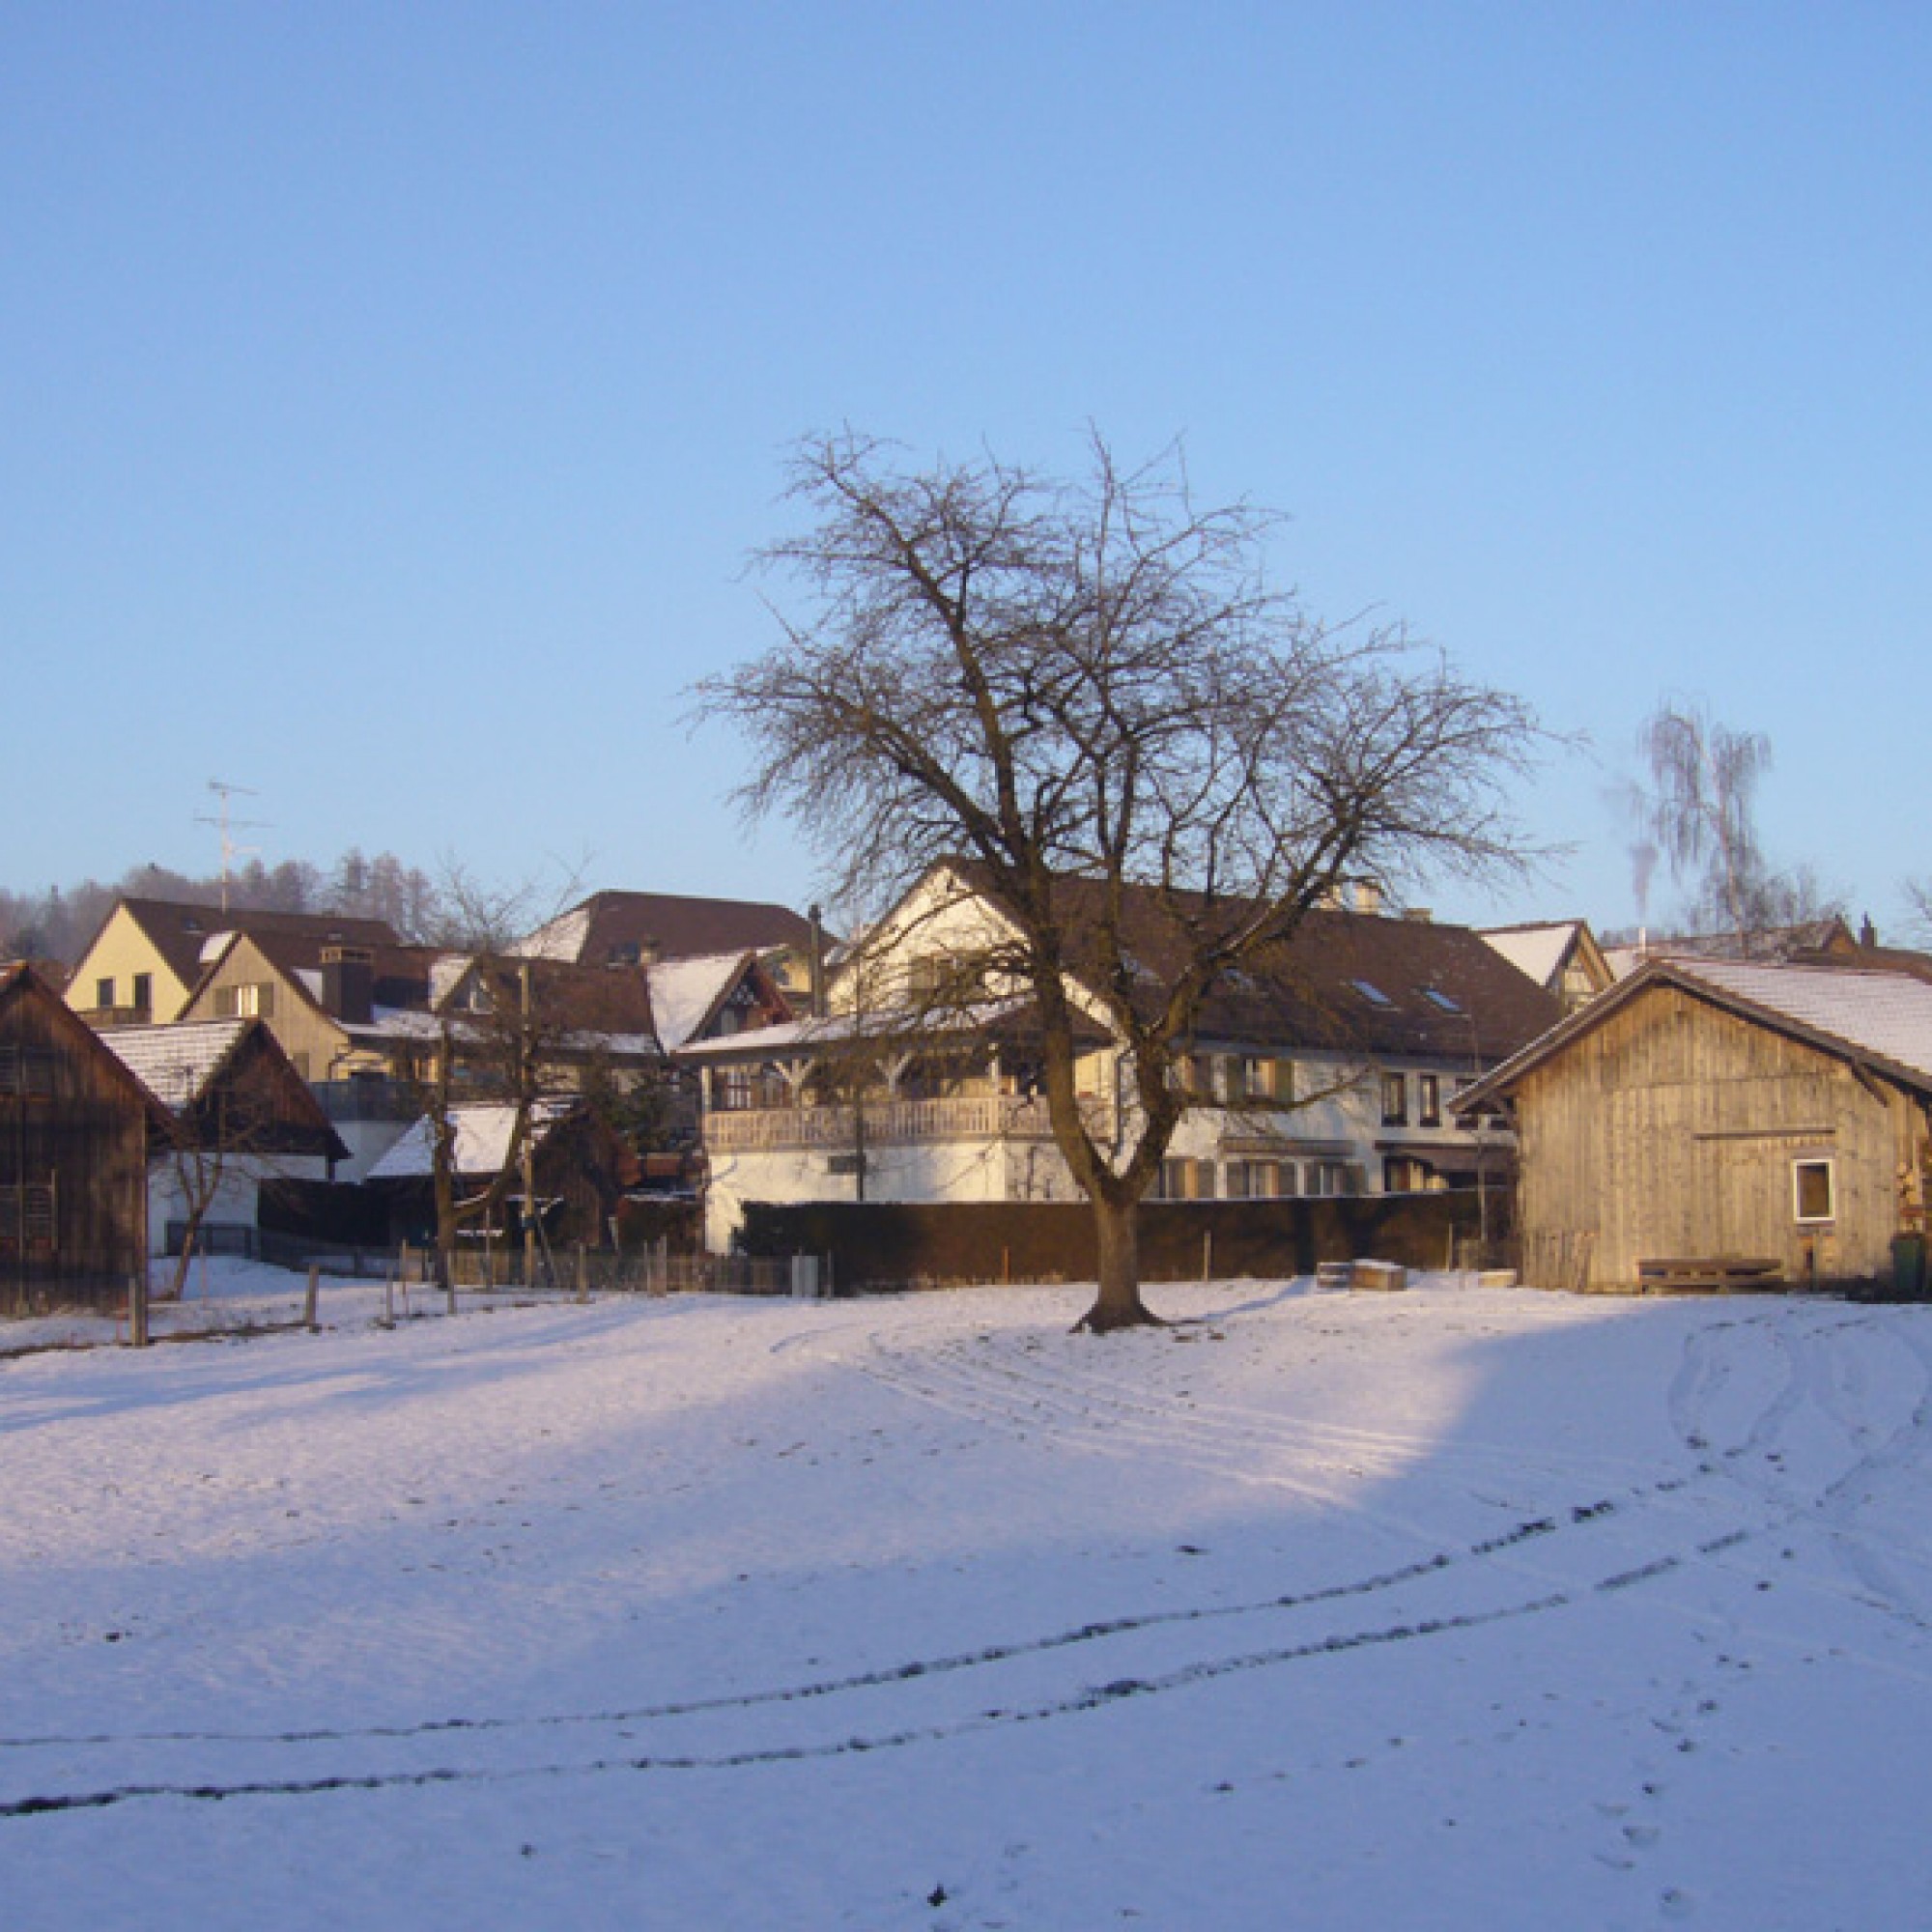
(1451,1608)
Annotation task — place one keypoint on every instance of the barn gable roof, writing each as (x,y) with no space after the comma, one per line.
(20,984)
(1875,1020)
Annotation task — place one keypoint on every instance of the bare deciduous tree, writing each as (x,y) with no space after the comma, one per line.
(1701,810)
(520,1034)
(1918,897)
(1088,690)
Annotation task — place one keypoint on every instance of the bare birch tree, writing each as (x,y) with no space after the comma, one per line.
(1701,810)
(1088,688)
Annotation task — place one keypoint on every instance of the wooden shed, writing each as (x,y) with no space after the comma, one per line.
(1721,1112)
(74,1130)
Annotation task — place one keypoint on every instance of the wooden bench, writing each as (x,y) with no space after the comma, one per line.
(1708,1274)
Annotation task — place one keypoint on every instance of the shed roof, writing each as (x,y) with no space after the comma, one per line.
(482,1140)
(1875,1019)
(176,1062)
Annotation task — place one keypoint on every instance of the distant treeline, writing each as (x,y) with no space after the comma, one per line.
(59,922)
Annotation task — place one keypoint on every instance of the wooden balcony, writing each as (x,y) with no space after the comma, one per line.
(984,1116)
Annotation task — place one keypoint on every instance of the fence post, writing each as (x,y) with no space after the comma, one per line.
(308,1303)
(138,1308)
(583,1274)
(389,1297)
(1207,1254)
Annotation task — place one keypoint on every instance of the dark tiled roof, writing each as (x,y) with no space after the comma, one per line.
(630,924)
(1878,958)
(595,999)
(401,972)
(179,931)
(1439,991)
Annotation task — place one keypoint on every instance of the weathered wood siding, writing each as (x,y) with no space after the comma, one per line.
(1671,1129)
(73,1138)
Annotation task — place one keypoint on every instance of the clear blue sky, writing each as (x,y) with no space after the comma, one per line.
(392,393)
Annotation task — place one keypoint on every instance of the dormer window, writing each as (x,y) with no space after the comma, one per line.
(1440,999)
(1371,993)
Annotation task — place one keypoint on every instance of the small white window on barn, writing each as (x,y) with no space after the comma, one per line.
(1814,1191)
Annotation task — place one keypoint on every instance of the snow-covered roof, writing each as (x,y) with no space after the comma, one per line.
(1881,1018)
(482,1140)
(1888,1016)
(174,1062)
(807,1036)
(1536,950)
(560,938)
(684,993)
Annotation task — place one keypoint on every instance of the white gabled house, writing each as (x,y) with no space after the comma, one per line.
(1336,1075)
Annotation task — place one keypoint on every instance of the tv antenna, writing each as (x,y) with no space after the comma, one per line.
(228,827)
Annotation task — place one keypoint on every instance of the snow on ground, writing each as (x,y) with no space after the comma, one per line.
(1453,1608)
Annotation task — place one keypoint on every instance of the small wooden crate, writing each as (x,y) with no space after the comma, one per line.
(1377,1277)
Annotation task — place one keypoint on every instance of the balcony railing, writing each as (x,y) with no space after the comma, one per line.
(984,1117)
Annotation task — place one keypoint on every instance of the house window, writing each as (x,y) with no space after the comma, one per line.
(1184,1179)
(1395,1099)
(1814,1191)
(1429,1099)
(144,991)
(103,992)
(1237,1175)
(734,1090)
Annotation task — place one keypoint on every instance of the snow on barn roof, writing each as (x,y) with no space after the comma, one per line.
(1888,1016)
(174,1062)
(1882,1019)
(482,1140)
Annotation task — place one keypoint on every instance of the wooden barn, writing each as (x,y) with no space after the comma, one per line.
(76,1127)
(1722,1122)
(581,1171)
(241,1121)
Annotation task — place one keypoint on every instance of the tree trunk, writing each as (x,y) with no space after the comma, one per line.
(1117,1230)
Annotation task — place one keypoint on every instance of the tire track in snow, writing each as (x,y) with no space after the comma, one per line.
(1491,1557)
(1088,1699)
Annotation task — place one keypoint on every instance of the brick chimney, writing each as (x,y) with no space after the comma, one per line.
(348,984)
